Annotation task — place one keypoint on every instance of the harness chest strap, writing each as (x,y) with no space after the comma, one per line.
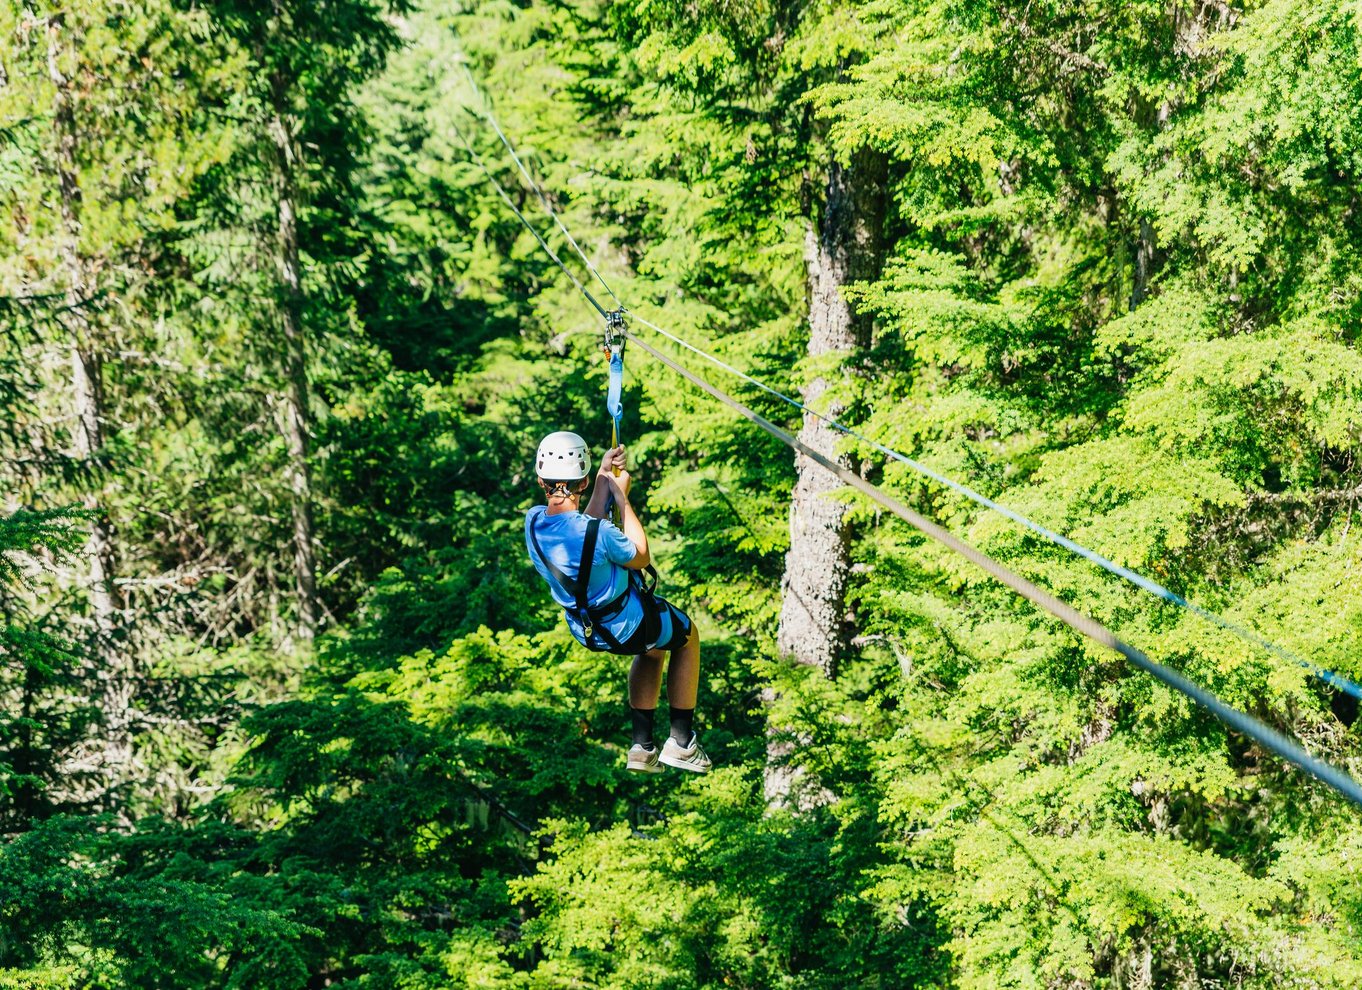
(577,588)
(593,528)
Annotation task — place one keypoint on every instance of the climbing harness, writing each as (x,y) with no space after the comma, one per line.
(576,588)
(594,617)
(1251,727)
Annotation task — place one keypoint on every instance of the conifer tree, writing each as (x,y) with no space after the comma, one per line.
(297,142)
(103,146)
(844,246)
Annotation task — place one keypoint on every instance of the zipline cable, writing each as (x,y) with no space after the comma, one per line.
(1245,634)
(534,185)
(1264,735)
(1241,722)
(505,198)
(1153,587)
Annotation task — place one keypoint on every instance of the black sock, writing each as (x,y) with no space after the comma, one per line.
(682,721)
(643,726)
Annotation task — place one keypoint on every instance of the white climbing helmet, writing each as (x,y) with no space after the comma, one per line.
(563,456)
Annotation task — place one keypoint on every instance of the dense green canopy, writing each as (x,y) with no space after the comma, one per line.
(283,703)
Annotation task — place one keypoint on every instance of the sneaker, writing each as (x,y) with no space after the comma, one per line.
(690,757)
(643,760)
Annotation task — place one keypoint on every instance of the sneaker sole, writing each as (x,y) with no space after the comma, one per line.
(684,765)
(644,767)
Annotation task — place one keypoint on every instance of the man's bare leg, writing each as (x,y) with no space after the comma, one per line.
(645,683)
(683,750)
(645,680)
(683,672)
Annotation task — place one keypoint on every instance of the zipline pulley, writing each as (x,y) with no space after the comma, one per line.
(614,331)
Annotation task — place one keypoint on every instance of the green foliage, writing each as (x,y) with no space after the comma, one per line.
(84,904)
(32,659)
(1122,298)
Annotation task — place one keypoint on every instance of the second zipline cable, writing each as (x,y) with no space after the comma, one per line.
(1139,580)
(543,198)
(1266,736)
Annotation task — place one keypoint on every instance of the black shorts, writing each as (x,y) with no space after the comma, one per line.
(657,613)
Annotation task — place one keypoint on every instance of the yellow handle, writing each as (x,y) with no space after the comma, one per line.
(615,442)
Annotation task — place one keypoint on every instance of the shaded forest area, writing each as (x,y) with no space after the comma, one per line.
(282,702)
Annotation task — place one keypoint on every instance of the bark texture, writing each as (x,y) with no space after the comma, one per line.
(847,246)
(111,756)
(293,403)
(1144,264)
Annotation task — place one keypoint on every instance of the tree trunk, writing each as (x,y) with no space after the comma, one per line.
(848,246)
(293,404)
(114,666)
(1134,970)
(1144,264)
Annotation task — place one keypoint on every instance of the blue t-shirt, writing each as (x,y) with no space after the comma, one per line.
(561,537)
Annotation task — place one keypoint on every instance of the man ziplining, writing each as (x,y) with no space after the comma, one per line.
(594,569)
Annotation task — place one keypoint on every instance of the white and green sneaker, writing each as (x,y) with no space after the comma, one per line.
(643,760)
(690,757)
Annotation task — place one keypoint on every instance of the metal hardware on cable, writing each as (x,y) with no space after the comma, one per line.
(614,347)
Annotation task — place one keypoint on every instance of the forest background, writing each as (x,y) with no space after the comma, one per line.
(282,703)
